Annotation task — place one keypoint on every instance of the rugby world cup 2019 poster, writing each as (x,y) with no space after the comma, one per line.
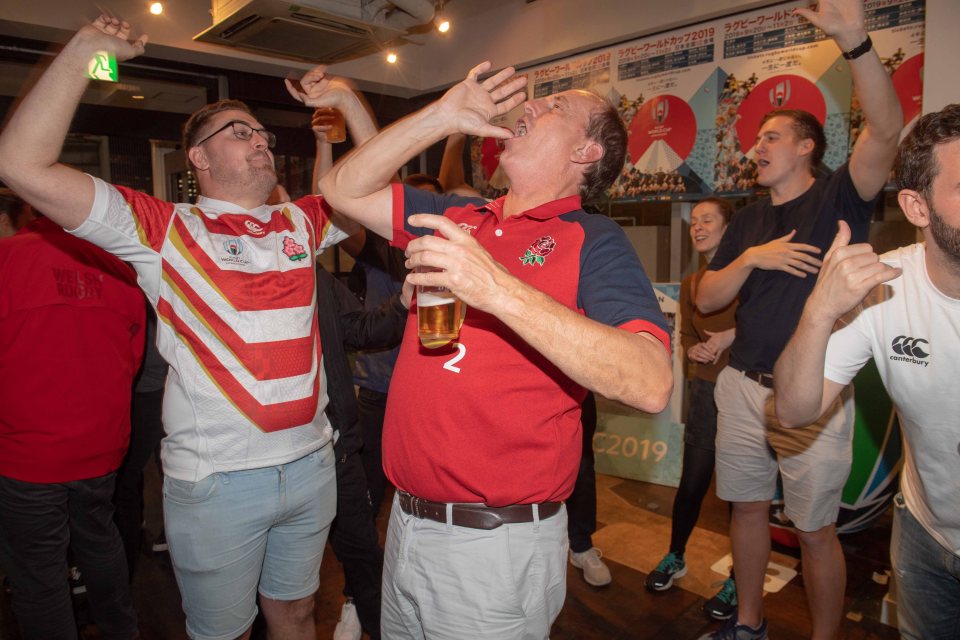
(693,98)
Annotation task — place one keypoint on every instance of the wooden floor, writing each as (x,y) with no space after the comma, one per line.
(633,531)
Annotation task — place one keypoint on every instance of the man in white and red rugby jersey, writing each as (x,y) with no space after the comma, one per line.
(482,437)
(249,489)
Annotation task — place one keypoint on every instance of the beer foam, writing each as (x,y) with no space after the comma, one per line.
(433,299)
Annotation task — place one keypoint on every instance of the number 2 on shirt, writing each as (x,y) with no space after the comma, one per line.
(450,365)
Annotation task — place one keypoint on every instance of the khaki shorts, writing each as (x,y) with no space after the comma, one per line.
(813,461)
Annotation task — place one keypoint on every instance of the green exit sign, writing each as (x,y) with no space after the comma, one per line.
(103,66)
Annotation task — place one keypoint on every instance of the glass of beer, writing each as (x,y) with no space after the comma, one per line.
(439,315)
(333,118)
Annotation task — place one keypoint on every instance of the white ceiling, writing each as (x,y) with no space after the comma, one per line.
(507,32)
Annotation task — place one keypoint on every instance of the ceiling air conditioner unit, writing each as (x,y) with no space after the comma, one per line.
(320,31)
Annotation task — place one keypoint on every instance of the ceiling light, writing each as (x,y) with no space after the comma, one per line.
(443,25)
(392,58)
(137,97)
(156,8)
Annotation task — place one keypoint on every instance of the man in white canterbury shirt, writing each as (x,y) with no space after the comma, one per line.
(909,326)
(249,489)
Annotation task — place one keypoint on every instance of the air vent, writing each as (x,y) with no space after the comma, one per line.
(232,31)
(324,31)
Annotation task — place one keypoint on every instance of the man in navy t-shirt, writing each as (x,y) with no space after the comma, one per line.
(769,257)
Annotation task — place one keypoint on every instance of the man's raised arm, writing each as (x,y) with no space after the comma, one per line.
(872,157)
(358,185)
(31,142)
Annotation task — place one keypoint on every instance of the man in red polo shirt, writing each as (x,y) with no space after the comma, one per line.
(482,438)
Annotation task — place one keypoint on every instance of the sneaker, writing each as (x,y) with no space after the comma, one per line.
(672,566)
(595,572)
(722,605)
(734,631)
(348,627)
(160,544)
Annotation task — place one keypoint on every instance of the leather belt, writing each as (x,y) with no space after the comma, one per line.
(763,379)
(474,516)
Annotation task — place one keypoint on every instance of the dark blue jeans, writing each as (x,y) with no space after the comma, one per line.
(38,522)
(928,580)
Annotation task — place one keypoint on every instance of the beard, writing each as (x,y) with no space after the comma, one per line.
(259,176)
(946,237)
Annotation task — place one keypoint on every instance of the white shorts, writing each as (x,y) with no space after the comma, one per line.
(813,461)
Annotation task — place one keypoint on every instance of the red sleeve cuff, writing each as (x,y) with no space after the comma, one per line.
(642,326)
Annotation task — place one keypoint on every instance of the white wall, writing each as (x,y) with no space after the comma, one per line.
(941,79)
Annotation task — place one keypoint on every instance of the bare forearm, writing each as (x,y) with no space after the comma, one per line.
(872,84)
(798,373)
(719,288)
(876,147)
(31,142)
(632,368)
(322,162)
(359,119)
(370,168)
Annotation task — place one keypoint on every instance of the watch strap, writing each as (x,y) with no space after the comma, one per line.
(859,50)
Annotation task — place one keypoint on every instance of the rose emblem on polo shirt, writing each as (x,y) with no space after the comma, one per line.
(538,251)
(293,250)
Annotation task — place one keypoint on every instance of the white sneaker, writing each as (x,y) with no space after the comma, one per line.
(595,572)
(348,628)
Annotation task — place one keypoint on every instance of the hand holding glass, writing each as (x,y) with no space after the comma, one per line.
(439,314)
(334,119)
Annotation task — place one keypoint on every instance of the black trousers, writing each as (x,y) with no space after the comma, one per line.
(371,406)
(146,431)
(38,522)
(355,542)
(582,503)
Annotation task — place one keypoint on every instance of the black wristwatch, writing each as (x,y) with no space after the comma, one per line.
(859,50)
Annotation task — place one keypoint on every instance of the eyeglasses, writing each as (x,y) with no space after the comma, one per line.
(243,131)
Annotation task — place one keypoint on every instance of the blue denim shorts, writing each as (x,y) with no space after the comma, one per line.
(235,533)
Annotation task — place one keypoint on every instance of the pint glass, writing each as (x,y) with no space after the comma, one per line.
(439,316)
(332,117)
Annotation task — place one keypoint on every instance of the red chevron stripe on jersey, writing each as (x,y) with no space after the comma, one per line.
(241,224)
(242,290)
(151,216)
(263,360)
(267,417)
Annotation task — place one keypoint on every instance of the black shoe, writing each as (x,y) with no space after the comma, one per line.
(734,631)
(722,605)
(672,566)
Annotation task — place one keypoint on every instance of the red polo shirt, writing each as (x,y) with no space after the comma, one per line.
(72,323)
(489,419)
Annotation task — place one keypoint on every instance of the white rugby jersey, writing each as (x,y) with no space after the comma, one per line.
(912,331)
(235,293)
